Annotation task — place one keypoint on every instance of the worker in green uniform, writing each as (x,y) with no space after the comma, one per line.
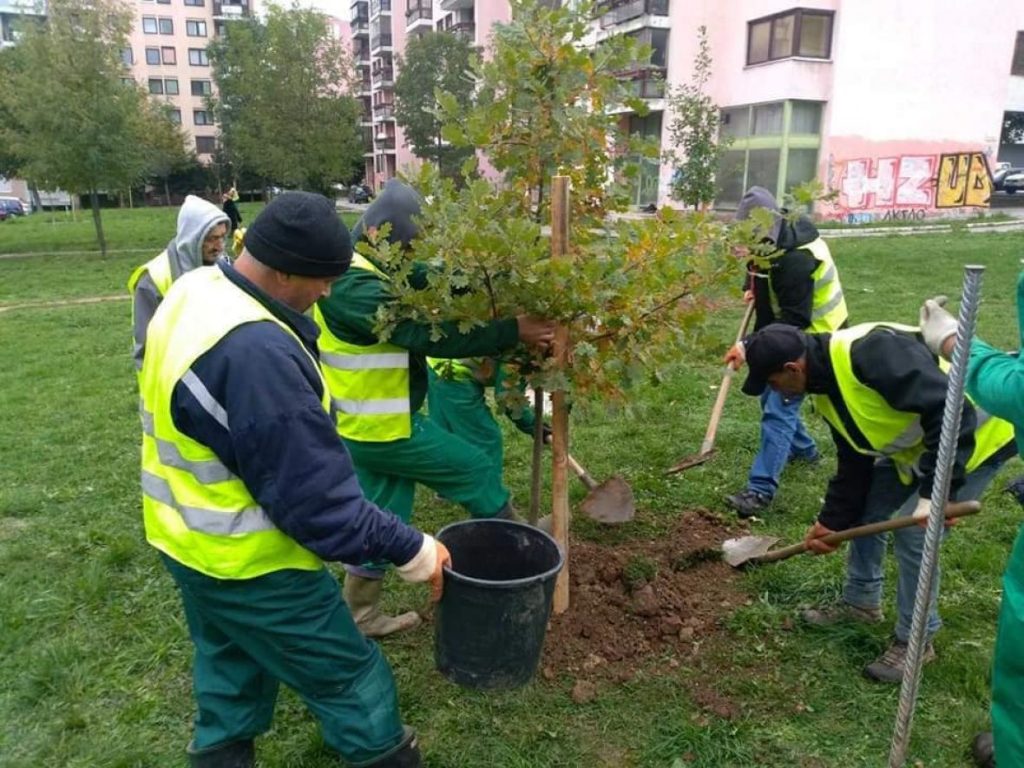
(457,400)
(995,380)
(378,388)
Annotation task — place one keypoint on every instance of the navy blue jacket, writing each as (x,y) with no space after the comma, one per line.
(268,426)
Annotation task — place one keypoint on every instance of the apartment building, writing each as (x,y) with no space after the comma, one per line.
(167,55)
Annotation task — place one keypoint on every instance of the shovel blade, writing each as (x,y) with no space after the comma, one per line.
(610,503)
(736,552)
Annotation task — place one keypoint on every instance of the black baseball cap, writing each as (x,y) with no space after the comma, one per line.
(767,352)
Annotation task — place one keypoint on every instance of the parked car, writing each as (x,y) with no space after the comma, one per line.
(359,193)
(13,206)
(1012,181)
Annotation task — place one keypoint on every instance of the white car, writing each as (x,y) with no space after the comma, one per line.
(1013,181)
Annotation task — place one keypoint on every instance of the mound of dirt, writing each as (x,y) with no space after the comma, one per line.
(635,602)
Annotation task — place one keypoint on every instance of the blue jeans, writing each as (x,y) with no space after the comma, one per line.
(783,435)
(864,572)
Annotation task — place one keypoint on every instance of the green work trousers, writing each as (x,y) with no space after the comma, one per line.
(452,467)
(460,406)
(1008,669)
(288,627)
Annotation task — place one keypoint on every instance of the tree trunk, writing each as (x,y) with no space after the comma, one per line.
(94,200)
(167,191)
(33,193)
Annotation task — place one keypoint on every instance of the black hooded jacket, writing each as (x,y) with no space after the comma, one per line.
(790,276)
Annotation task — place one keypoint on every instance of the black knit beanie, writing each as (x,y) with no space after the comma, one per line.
(299,233)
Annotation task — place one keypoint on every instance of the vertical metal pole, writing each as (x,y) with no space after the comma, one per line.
(936,516)
(559,409)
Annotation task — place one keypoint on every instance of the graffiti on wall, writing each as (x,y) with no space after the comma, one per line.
(908,185)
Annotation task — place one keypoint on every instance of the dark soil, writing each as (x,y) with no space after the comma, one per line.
(647,600)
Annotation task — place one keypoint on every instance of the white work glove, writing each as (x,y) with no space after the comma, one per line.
(428,565)
(922,509)
(937,324)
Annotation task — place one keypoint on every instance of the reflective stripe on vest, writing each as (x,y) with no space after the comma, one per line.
(195,509)
(369,384)
(895,434)
(828,306)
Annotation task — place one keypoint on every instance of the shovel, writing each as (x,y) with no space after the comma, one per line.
(707,448)
(610,502)
(758,549)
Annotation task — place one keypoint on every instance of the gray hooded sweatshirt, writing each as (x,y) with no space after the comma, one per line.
(185,252)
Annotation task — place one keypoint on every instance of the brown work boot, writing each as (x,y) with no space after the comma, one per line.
(363,598)
(983,750)
(840,613)
(888,668)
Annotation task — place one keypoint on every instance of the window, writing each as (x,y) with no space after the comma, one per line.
(171,86)
(164,2)
(128,81)
(197,57)
(152,55)
(149,25)
(1017,67)
(202,117)
(196,3)
(201,88)
(800,32)
(205,145)
(174,115)
(166,26)
(195,28)
(127,57)
(168,55)
(774,145)
(156,85)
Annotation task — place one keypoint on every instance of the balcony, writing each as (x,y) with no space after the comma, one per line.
(230,9)
(385,142)
(378,7)
(647,83)
(380,41)
(420,15)
(360,26)
(363,86)
(621,11)
(383,111)
(383,76)
(464,29)
(456,5)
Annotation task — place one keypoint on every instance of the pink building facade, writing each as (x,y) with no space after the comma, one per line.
(896,108)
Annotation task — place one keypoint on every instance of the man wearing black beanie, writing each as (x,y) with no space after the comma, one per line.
(247,490)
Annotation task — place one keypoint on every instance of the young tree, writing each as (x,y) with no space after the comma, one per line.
(282,99)
(695,133)
(628,291)
(166,154)
(86,128)
(435,61)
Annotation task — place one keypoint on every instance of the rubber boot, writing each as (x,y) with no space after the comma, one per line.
(363,598)
(237,754)
(405,755)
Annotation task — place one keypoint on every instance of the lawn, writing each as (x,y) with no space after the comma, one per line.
(94,655)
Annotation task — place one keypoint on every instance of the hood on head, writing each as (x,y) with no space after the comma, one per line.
(195,220)
(397,205)
(759,197)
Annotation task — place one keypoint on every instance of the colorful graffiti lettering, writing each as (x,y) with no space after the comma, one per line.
(917,182)
(964,179)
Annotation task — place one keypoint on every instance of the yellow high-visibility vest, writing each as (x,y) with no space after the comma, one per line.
(897,435)
(195,509)
(369,383)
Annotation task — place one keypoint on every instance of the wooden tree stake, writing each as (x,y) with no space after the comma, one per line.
(560,414)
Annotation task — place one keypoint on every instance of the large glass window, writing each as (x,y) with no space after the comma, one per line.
(166,26)
(774,145)
(152,55)
(799,32)
(149,25)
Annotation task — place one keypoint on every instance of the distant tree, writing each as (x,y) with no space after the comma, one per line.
(437,61)
(283,100)
(84,128)
(1013,128)
(165,148)
(697,146)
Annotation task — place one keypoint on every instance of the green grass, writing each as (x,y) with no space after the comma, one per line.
(138,229)
(95,658)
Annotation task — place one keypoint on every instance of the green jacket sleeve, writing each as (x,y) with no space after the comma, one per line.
(995,380)
(351,313)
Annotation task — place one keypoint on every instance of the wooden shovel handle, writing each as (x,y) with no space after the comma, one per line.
(953,510)
(584,476)
(723,390)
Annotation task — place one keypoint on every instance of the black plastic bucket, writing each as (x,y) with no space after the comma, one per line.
(490,624)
